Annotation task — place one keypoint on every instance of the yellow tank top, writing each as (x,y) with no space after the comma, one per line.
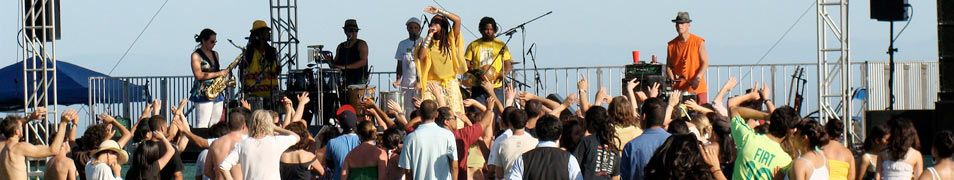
(838,170)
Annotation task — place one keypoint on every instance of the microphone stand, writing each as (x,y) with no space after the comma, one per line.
(536,71)
(523,37)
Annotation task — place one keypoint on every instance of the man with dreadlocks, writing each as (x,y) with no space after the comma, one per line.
(260,67)
(439,58)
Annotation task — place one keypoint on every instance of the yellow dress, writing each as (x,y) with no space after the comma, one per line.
(442,68)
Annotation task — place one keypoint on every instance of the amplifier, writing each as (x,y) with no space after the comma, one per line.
(646,75)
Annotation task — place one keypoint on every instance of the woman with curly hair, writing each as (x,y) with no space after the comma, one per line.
(901,159)
(599,154)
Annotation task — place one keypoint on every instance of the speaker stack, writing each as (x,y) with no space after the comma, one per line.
(945,47)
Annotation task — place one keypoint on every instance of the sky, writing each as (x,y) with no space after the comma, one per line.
(95,34)
(578,33)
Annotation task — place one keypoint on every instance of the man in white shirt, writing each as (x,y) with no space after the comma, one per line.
(510,149)
(406,74)
(430,152)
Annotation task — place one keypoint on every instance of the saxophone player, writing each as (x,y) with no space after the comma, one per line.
(205,67)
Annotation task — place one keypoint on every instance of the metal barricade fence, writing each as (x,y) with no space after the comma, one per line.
(916,87)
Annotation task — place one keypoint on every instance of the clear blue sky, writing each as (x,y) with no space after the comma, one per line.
(578,33)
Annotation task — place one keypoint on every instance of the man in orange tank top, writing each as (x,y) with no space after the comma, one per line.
(687,61)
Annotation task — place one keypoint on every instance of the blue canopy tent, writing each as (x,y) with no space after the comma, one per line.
(72,86)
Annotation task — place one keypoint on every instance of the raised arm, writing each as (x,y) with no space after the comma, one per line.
(438,95)
(735,102)
(582,87)
(601,97)
(303,100)
(39,151)
(165,156)
(399,114)
(673,102)
(693,105)
(126,134)
(450,16)
(187,131)
(631,96)
(766,95)
(569,101)
(717,103)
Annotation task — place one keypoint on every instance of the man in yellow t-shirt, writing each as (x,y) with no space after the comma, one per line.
(760,156)
(487,56)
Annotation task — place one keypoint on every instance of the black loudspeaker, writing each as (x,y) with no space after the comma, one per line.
(925,121)
(36,16)
(945,47)
(889,10)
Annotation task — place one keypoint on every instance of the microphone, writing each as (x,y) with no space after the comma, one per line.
(530,50)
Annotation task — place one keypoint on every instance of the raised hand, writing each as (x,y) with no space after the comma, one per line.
(765,92)
(394,106)
(431,9)
(674,97)
(470,102)
(526,96)
(582,84)
(654,90)
(156,106)
(69,116)
(435,89)
(631,84)
(303,98)
(571,100)
(38,114)
(487,85)
(510,92)
(602,95)
(248,106)
(107,118)
(730,83)
(417,102)
(709,156)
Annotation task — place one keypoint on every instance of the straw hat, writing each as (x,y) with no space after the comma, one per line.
(258,24)
(110,145)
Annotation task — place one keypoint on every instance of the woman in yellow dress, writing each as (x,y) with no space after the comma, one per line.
(439,58)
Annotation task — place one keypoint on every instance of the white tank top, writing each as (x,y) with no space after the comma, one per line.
(891,170)
(820,173)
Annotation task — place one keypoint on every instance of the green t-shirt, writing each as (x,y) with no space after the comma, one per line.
(759,157)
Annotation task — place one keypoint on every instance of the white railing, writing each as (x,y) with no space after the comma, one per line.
(916,85)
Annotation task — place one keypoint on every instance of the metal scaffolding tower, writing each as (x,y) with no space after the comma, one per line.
(38,48)
(834,61)
(284,23)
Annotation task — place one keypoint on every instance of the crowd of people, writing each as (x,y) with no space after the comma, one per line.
(642,134)
(493,132)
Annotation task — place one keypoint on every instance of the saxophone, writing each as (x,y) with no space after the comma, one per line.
(220,83)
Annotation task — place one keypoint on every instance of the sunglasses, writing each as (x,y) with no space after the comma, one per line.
(351,30)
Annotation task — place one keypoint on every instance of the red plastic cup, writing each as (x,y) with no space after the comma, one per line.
(635,57)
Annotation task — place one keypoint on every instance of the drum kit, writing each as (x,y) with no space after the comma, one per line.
(328,90)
